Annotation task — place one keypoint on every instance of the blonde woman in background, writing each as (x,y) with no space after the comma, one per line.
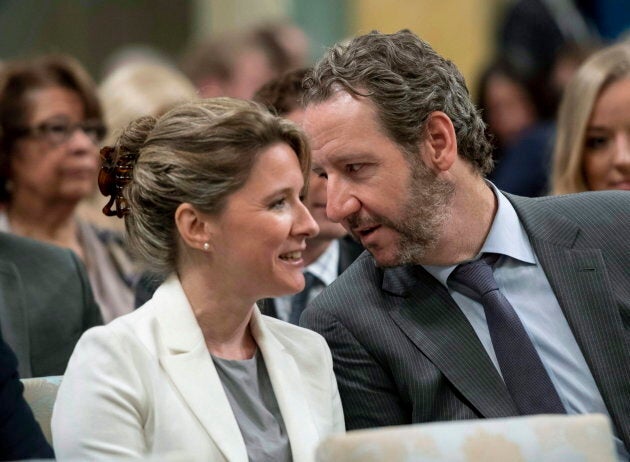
(132,90)
(592,149)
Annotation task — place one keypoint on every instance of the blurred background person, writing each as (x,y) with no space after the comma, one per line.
(331,251)
(518,111)
(234,64)
(134,89)
(592,149)
(46,304)
(50,127)
(213,190)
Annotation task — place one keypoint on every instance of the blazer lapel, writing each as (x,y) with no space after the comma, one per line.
(188,364)
(14,317)
(289,389)
(580,281)
(431,319)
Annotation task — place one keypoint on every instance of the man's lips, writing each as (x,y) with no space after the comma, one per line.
(363,233)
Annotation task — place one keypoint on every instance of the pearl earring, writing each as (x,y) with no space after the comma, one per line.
(206,246)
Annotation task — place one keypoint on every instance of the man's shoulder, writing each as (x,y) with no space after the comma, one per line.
(593,208)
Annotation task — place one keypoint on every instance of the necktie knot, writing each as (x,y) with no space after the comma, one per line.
(477,275)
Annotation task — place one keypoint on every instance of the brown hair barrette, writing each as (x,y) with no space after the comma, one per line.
(115,174)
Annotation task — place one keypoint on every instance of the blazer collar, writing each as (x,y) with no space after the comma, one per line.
(189,365)
(578,275)
(187,362)
(423,309)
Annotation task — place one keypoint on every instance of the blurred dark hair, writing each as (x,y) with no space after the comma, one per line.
(284,94)
(537,89)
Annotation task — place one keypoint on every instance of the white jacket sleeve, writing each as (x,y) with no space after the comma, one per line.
(101,407)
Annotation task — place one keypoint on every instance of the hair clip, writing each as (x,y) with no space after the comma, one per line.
(114,175)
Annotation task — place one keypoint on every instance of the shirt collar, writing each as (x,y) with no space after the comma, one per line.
(325,268)
(506,237)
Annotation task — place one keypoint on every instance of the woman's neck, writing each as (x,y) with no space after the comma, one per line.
(222,316)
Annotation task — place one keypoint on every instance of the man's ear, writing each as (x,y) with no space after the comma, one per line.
(439,146)
(194,227)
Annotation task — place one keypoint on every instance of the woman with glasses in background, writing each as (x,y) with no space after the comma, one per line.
(50,128)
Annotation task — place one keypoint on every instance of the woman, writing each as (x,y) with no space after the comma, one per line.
(50,126)
(214,202)
(592,149)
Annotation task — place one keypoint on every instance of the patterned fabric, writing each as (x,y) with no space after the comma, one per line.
(584,438)
(522,370)
(405,353)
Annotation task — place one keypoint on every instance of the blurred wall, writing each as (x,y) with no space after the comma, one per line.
(461,30)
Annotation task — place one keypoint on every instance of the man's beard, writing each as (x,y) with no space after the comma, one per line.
(423,216)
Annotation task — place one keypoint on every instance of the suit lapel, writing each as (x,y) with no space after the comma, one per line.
(580,281)
(289,389)
(189,366)
(431,319)
(14,317)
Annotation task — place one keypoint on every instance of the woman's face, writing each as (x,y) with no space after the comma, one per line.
(258,239)
(55,162)
(607,142)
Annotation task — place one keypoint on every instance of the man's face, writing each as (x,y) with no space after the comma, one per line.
(315,200)
(394,206)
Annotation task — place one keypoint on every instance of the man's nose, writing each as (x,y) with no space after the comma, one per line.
(340,200)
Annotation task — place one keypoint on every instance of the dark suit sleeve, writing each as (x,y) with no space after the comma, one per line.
(20,435)
(368,392)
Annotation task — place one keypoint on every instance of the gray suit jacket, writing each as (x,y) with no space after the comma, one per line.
(46,303)
(405,353)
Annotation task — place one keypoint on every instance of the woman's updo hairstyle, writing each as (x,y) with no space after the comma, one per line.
(197,153)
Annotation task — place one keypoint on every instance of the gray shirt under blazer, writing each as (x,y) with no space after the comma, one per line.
(404,352)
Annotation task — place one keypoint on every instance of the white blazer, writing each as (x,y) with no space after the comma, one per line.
(145,386)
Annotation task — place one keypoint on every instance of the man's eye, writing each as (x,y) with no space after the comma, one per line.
(352,168)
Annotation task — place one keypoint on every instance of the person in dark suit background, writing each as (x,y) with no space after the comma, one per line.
(328,254)
(20,435)
(404,153)
(46,303)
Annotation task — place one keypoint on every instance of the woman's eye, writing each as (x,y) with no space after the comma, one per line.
(596,142)
(278,204)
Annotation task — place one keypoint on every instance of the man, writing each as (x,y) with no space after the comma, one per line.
(413,335)
(46,303)
(20,435)
(330,252)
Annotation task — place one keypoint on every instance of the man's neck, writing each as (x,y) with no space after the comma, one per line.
(464,232)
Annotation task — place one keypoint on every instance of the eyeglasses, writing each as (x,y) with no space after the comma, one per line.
(58,131)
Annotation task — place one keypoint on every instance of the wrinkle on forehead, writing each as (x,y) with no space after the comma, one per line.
(339,119)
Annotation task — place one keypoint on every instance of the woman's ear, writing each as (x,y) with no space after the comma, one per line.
(194,227)
(439,145)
